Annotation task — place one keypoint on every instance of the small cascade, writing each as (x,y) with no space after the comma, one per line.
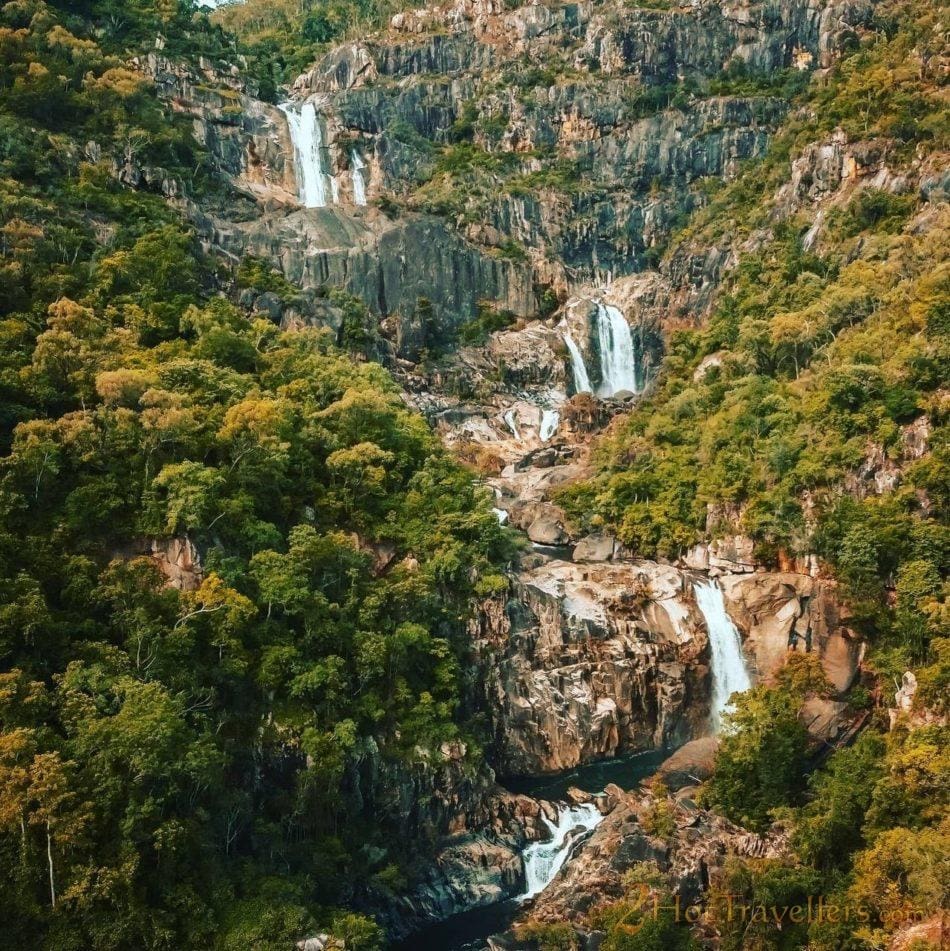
(501,515)
(581,379)
(358,167)
(315,187)
(728,667)
(550,419)
(512,420)
(543,860)
(618,361)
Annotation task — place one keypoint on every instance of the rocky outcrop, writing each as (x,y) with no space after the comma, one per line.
(464,831)
(176,558)
(779,612)
(689,860)
(248,139)
(908,711)
(582,662)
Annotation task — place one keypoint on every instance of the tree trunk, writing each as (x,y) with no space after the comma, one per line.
(49,856)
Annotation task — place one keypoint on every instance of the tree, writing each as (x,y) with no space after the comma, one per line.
(187,495)
(760,764)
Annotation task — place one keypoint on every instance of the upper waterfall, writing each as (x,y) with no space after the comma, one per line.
(615,348)
(618,361)
(315,187)
(728,667)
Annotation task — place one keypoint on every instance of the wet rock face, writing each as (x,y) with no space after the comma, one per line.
(468,831)
(414,269)
(588,661)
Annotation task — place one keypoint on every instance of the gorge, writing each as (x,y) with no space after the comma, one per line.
(592,653)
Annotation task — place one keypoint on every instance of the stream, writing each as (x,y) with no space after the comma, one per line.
(468,930)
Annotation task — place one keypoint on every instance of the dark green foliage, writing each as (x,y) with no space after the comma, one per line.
(829,829)
(761,763)
(488,320)
(174,759)
(737,80)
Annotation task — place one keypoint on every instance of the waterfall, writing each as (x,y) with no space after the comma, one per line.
(315,187)
(501,515)
(581,379)
(543,860)
(358,167)
(618,358)
(728,665)
(512,421)
(550,418)
(618,362)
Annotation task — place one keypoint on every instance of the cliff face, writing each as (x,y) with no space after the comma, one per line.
(589,661)
(504,151)
(598,85)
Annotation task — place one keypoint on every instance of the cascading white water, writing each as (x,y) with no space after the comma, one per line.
(543,860)
(550,418)
(314,186)
(729,671)
(618,361)
(512,420)
(358,169)
(581,379)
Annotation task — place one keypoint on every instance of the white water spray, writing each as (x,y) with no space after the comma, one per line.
(358,167)
(511,419)
(728,665)
(550,419)
(581,379)
(315,187)
(543,860)
(618,361)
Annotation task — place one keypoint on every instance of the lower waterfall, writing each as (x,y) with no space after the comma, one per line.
(543,860)
(550,419)
(468,930)
(315,187)
(728,666)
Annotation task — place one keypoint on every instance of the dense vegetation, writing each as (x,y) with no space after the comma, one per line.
(816,359)
(171,761)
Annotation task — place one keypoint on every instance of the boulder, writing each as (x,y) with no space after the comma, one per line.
(545,531)
(692,763)
(595,548)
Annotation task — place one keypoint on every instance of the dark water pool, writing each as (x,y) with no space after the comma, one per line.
(469,930)
(625,771)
